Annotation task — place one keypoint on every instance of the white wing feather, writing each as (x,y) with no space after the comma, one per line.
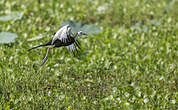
(61,34)
(71,47)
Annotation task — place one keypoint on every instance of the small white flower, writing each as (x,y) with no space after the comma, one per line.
(42,5)
(172,66)
(61,97)
(102,59)
(115,67)
(47,29)
(132,84)
(62,58)
(115,35)
(119,99)
(139,93)
(161,78)
(30,98)
(111,96)
(68,59)
(101,9)
(62,5)
(56,65)
(10,59)
(84,98)
(106,98)
(23,6)
(127,94)
(52,69)
(173,101)
(58,73)
(29,21)
(114,89)
(169,19)
(127,103)
(145,100)
(71,18)
(69,9)
(49,93)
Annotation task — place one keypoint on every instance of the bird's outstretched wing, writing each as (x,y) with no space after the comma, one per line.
(71,47)
(62,34)
(74,46)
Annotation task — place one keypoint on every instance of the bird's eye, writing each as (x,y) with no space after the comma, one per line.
(80,32)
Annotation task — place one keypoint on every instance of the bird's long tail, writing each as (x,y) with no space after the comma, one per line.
(46,44)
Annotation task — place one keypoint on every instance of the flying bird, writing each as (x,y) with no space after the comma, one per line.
(63,37)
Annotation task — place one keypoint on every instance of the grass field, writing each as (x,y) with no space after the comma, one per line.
(132,64)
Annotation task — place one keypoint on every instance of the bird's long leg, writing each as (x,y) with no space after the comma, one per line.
(77,44)
(75,47)
(46,56)
(73,52)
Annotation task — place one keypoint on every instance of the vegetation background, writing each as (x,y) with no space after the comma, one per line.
(131,64)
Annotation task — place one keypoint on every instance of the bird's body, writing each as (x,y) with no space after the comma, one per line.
(63,37)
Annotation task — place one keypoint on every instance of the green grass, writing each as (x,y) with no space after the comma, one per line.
(124,67)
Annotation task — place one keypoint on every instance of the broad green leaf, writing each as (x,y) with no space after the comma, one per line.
(78,26)
(12,16)
(7,37)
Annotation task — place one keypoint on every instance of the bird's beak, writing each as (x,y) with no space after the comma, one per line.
(85,34)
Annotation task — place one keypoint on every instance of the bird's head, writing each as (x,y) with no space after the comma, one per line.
(80,33)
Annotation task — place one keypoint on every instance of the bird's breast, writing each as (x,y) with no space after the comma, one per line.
(59,43)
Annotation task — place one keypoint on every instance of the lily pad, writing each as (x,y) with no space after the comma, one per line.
(91,29)
(36,37)
(12,16)
(78,26)
(139,26)
(155,22)
(169,6)
(7,37)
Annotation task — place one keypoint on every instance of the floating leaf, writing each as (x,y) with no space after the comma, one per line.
(12,16)
(155,22)
(139,26)
(169,6)
(91,29)
(7,37)
(78,26)
(36,37)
